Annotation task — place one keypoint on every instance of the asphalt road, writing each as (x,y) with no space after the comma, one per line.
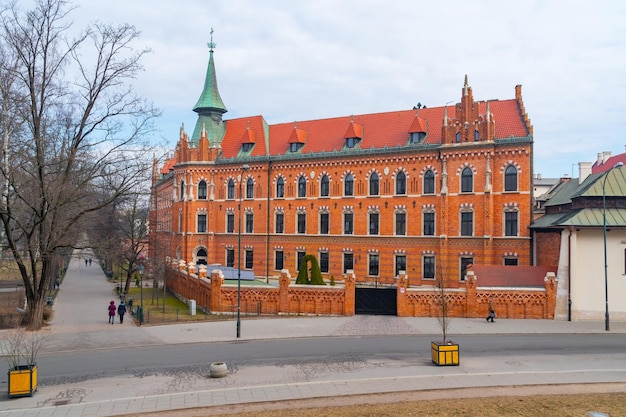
(479,354)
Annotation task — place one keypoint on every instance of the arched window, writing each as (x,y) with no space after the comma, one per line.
(429,182)
(324,186)
(510,178)
(374,184)
(230,192)
(280,188)
(401,183)
(249,188)
(348,185)
(301,186)
(202,190)
(467,181)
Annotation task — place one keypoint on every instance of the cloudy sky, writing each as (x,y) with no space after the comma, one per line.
(297,60)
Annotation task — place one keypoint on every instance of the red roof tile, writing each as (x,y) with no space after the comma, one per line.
(379,130)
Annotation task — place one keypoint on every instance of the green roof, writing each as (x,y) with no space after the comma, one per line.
(210,98)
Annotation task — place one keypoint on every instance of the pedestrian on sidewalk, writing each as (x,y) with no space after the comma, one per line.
(492,311)
(112,311)
(121,310)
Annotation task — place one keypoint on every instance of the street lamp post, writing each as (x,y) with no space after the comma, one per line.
(141,293)
(244,168)
(606,275)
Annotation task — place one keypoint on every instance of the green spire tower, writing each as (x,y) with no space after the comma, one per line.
(210,106)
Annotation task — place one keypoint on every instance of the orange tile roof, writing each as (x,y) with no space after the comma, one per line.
(379,130)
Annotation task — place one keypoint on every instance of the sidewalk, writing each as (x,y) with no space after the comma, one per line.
(80,322)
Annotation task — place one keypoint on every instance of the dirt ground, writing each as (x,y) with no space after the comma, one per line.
(514,401)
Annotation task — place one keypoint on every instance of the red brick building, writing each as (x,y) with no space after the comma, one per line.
(420,190)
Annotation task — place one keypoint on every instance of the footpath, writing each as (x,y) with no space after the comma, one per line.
(80,323)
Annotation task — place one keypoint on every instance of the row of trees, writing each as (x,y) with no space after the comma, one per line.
(74,138)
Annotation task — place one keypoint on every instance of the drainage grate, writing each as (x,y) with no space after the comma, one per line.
(62,402)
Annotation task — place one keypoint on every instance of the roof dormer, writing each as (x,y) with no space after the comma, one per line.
(297,139)
(248,140)
(353,135)
(418,130)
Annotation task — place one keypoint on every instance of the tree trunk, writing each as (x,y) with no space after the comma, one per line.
(34,314)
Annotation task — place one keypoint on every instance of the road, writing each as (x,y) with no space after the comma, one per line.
(586,355)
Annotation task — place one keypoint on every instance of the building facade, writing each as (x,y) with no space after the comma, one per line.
(424,190)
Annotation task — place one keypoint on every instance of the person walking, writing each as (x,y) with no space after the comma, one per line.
(121,310)
(112,310)
(492,312)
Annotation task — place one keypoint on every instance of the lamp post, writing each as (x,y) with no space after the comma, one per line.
(606,276)
(141,293)
(244,168)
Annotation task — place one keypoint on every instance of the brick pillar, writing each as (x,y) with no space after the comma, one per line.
(349,296)
(202,271)
(403,284)
(215,298)
(283,291)
(471,301)
(182,266)
(550,283)
(191,269)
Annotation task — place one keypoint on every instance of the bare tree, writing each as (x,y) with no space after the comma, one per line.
(79,148)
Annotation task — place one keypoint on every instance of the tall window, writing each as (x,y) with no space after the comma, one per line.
(348,262)
(465,261)
(301,186)
(374,225)
(324,223)
(181,196)
(201,223)
(429,223)
(400,183)
(429,182)
(202,190)
(348,186)
(510,178)
(400,224)
(279,260)
(301,220)
(299,256)
(230,258)
(325,186)
(510,223)
(324,262)
(400,264)
(374,184)
(249,188)
(230,189)
(467,223)
(280,187)
(280,223)
(249,255)
(348,223)
(467,180)
(373,264)
(249,223)
(429,267)
(230,222)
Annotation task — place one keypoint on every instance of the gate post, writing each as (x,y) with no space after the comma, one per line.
(215,296)
(348,303)
(283,291)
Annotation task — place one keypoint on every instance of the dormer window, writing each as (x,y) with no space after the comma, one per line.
(351,142)
(295,146)
(247,147)
(418,137)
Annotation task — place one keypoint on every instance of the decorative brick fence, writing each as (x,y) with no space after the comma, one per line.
(468,301)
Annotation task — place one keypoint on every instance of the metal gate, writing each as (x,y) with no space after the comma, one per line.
(376,301)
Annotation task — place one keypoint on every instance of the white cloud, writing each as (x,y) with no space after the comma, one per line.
(293,60)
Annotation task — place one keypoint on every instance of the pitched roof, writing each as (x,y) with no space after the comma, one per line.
(511,276)
(379,130)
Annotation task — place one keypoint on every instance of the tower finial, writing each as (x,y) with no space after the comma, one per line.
(211,44)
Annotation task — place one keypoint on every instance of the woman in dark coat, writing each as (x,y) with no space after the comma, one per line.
(112,312)
(121,310)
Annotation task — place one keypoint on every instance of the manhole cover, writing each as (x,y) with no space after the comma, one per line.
(62,402)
